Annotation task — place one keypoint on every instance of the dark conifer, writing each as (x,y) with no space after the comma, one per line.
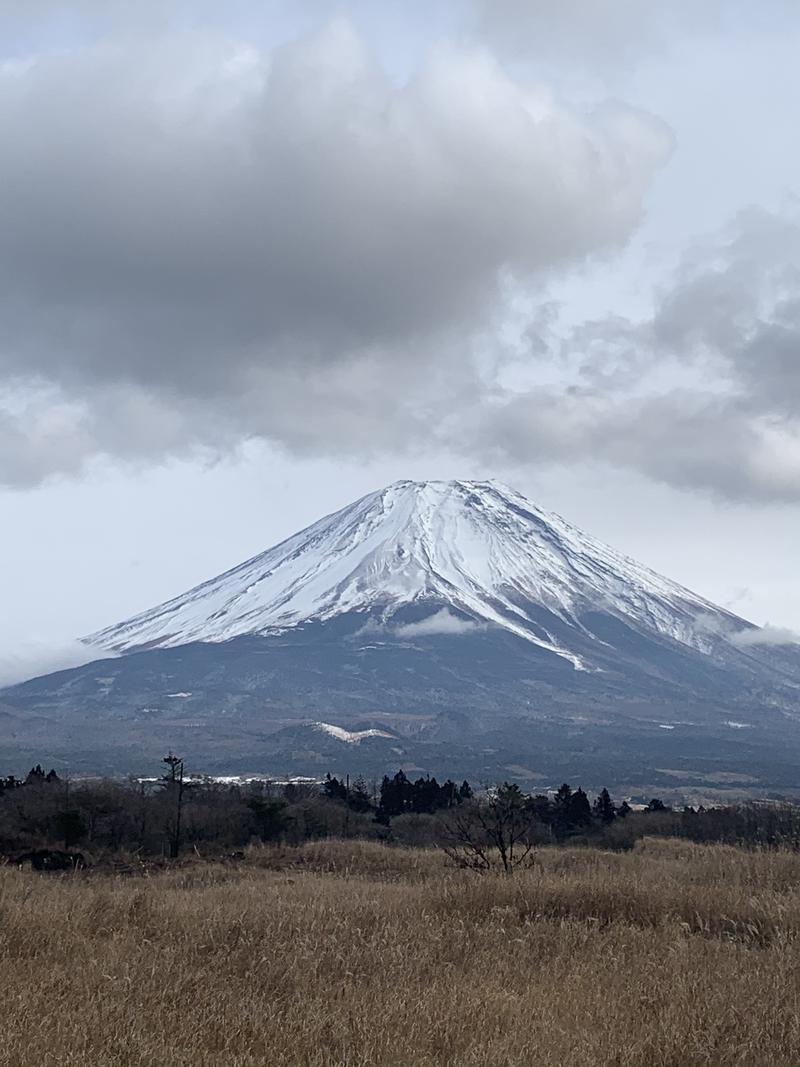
(334,789)
(603,808)
(580,810)
(560,811)
(359,798)
(396,796)
(542,808)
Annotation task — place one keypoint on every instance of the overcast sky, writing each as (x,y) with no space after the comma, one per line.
(257,259)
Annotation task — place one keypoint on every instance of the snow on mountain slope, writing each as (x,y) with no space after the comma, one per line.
(477,548)
(350,737)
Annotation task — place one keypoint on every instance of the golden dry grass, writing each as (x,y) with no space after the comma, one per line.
(352,953)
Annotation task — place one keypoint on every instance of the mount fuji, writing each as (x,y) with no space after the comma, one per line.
(449,626)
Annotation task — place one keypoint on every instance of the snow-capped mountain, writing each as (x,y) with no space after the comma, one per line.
(449,627)
(478,551)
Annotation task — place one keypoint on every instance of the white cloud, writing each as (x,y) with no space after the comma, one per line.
(441,622)
(21,661)
(765,635)
(747,636)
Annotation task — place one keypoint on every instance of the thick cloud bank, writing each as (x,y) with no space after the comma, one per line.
(201,242)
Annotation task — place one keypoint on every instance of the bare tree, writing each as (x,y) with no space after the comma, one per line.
(491,831)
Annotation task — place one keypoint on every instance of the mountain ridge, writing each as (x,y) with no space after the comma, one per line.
(457,629)
(477,547)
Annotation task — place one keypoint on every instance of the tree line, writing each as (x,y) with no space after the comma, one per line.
(397,795)
(173,811)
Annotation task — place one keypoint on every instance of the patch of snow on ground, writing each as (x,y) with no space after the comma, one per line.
(245,779)
(351,737)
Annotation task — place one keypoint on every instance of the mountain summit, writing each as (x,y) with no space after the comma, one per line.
(447,627)
(477,552)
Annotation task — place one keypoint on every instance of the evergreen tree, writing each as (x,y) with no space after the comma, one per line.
(603,808)
(396,796)
(580,810)
(359,798)
(386,801)
(542,808)
(560,811)
(334,789)
(425,795)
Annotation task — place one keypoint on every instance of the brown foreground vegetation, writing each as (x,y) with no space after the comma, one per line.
(359,954)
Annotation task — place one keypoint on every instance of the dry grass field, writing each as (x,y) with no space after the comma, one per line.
(353,953)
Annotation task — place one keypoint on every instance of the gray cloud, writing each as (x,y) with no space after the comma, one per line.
(601,31)
(705,395)
(201,243)
(606,35)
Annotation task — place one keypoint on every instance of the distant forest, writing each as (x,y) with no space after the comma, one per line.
(175,812)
